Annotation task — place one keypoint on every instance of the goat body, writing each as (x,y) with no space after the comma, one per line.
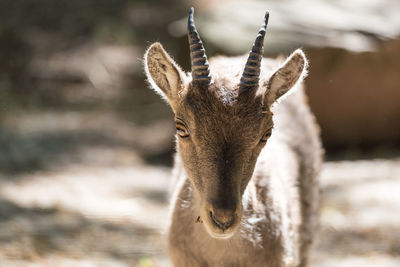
(246,166)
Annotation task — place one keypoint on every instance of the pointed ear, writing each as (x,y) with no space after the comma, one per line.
(163,74)
(286,77)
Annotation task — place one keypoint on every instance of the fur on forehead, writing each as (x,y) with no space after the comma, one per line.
(206,100)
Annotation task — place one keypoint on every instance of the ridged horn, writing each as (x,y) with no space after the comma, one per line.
(200,70)
(251,73)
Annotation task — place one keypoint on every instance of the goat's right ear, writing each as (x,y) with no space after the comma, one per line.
(164,75)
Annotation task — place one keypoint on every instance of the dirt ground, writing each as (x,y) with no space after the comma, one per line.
(90,199)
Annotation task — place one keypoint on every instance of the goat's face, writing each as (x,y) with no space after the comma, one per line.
(219,144)
(220,137)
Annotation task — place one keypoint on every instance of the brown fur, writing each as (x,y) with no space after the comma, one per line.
(265,194)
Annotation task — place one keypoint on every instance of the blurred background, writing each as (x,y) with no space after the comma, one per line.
(86,148)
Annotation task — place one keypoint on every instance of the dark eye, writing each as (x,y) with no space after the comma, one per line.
(181,130)
(266,135)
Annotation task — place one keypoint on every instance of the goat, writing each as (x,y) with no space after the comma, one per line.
(246,166)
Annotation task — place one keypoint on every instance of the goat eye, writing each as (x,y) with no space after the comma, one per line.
(266,135)
(181,130)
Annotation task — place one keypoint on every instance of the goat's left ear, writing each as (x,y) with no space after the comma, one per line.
(286,77)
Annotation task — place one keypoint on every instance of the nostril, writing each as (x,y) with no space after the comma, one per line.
(223,225)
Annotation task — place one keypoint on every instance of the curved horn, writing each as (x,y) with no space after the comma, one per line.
(200,70)
(251,73)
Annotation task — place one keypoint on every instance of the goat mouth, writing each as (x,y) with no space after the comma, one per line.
(222,226)
(219,230)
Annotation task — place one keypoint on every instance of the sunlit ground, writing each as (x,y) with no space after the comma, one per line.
(100,204)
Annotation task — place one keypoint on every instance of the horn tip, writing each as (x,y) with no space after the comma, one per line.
(191,26)
(266,18)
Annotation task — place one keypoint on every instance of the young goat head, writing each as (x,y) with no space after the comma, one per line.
(222,122)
